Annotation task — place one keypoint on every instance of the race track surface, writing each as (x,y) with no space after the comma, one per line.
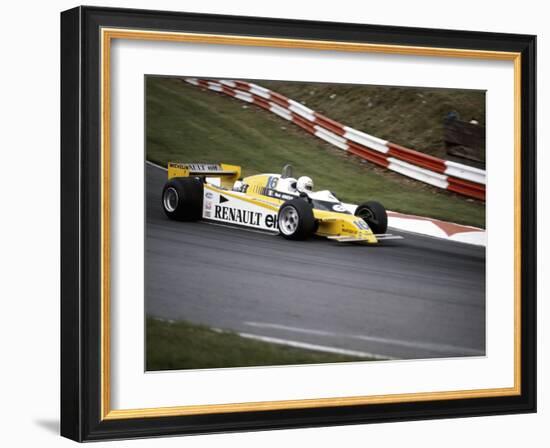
(413,298)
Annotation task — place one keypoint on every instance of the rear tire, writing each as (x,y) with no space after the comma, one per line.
(374,214)
(182,198)
(296,220)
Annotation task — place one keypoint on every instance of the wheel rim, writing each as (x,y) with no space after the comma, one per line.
(288,220)
(170,199)
(367,215)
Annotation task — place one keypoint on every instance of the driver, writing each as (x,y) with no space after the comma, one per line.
(304,184)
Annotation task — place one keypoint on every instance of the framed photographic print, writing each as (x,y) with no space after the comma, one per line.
(275,224)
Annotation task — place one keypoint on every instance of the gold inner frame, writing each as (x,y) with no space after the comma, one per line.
(107,35)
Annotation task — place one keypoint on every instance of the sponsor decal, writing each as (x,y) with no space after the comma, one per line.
(208,205)
(197,167)
(223,199)
(246,217)
(361,224)
(240,186)
(209,195)
(203,167)
(181,166)
(237,215)
(339,208)
(207,214)
(271,221)
(278,195)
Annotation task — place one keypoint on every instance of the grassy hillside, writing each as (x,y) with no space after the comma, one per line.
(181,345)
(189,124)
(409,116)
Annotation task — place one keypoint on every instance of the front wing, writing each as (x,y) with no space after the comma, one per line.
(351,239)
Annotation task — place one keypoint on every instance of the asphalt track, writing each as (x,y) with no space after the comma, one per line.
(414,298)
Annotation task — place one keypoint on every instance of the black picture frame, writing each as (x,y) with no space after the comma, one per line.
(81,224)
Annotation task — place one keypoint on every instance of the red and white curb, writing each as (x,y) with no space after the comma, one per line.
(437,228)
(423,226)
(432,227)
(456,177)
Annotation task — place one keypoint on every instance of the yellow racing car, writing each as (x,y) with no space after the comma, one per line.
(276,203)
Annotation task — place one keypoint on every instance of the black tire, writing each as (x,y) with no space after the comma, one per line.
(182,198)
(304,225)
(375,216)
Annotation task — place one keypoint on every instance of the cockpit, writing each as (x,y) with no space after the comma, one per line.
(287,183)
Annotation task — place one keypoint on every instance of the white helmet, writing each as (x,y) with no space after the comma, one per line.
(304,184)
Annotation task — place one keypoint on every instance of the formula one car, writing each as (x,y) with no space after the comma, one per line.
(276,203)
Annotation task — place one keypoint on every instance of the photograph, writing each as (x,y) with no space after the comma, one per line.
(273,224)
(294,223)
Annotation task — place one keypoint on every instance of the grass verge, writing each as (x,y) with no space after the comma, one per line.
(184,123)
(410,116)
(182,345)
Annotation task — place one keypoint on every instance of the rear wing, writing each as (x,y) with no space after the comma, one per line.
(227,174)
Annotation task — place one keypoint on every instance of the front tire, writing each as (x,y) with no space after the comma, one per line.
(296,220)
(374,214)
(182,198)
